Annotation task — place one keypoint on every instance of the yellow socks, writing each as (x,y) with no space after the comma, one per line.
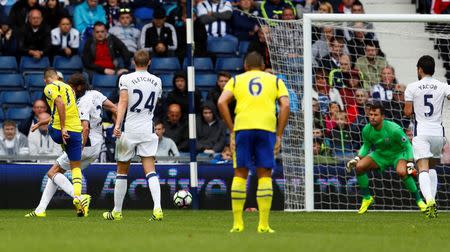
(238,195)
(77,181)
(264,198)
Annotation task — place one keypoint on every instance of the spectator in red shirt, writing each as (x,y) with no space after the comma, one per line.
(102,52)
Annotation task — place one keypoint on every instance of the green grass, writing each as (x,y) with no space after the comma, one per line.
(208,231)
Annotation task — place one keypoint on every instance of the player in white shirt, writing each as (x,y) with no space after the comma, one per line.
(90,104)
(139,93)
(425,98)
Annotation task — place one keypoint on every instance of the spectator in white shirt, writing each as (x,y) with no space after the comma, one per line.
(65,39)
(166,146)
(13,142)
(216,15)
(40,141)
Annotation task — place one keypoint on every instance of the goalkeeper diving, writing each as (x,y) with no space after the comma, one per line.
(391,148)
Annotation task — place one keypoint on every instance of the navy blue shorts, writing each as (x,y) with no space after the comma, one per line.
(72,146)
(254,148)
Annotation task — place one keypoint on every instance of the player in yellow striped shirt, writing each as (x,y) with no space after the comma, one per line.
(65,129)
(255,134)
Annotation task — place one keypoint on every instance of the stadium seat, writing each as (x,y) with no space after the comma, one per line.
(8,64)
(29,64)
(34,81)
(205,80)
(2,115)
(222,47)
(232,65)
(243,47)
(35,95)
(167,80)
(11,82)
(15,98)
(85,76)
(164,65)
(143,15)
(18,114)
(104,81)
(68,65)
(203,64)
(108,92)
(5,10)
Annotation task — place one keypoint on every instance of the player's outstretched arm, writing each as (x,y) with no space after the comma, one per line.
(40,123)
(111,107)
(121,108)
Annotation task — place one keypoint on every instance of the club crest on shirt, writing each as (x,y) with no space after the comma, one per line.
(387,140)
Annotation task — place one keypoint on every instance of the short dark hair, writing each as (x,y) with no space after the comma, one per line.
(66,17)
(77,79)
(223,74)
(374,105)
(338,39)
(9,123)
(318,140)
(321,72)
(254,60)
(158,121)
(98,23)
(357,3)
(370,43)
(427,64)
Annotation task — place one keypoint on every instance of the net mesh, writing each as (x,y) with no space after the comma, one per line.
(349,69)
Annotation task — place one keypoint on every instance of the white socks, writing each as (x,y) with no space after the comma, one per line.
(155,189)
(120,190)
(64,183)
(47,195)
(434,182)
(425,185)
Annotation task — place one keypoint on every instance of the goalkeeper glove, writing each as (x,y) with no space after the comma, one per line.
(351,164)
(411,169)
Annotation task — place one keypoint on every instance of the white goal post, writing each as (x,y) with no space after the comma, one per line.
(308,20)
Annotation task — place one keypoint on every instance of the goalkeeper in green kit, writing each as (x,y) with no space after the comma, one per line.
(391,148)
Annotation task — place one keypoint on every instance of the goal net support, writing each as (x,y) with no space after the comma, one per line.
(331,73)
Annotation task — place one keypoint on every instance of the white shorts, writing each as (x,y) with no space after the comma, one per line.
(88,155)
(428,146)
(130,145)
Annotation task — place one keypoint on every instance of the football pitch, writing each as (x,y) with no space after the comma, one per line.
(186,230)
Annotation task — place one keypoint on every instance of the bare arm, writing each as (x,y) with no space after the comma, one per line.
(224,99)
(40,123)
(121,108)
(408,110)
(61,111)
(85,132)
(111,107)
(283,116)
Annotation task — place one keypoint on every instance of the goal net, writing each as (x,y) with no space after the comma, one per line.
(330,80)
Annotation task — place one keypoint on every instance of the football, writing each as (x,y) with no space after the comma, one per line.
(182,199)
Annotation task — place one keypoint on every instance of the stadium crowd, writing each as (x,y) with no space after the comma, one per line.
(350,67)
